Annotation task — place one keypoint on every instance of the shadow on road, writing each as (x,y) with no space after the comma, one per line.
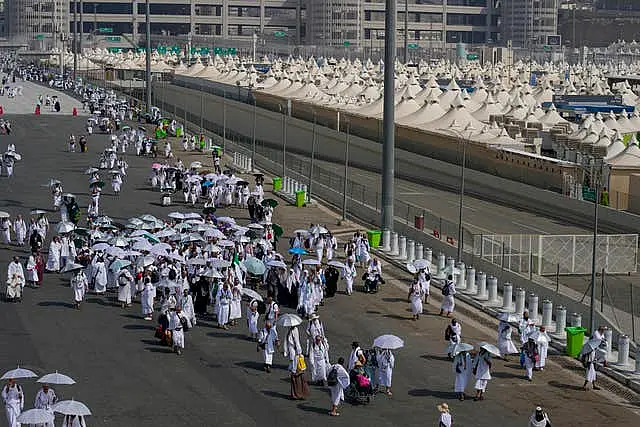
(314,409)
(434,357)
(394,299)
(557,384)
(56,304)
(506,375)
(276,394)
(131,316)
(395,316)
(423,392)
(227,335)
(139,327)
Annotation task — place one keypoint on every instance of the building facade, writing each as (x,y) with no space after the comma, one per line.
(35,22)
(528,23)
(428,22)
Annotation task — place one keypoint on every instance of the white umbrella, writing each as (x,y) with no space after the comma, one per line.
(508,317)
(148,218)
(220,263)
(100,247)
(35,417)
(213,274)
(18,373)
(412,268)
(195,165)
(192,215)
(116,252)
(176,215)
(588,347)
(176,257)
(119,242)
(490,348)
(159,251)
(214,233)
(251,294)
(65,227)
(4,214)
(421,264)
(337,264)
(318,229)
(71,407)
(38,212)
(460,347)
(196,261)
(388,342)
(145,261)
(226,243)
(167,232)
(276,264)
(311,261)
(91,170)
(56,378)
(255,227)
(142,245)
(72,267)
(289,320)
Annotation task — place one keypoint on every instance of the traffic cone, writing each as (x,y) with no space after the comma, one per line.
(1,110)
(37,112)
(75,112)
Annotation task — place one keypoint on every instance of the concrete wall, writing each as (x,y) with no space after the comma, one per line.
(366,154)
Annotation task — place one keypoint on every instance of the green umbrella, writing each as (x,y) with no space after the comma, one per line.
(269,202)
(119,265)
(208,210)
(254,266)
(277,230)
(81,231)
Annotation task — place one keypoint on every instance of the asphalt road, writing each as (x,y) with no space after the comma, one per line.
(127,379)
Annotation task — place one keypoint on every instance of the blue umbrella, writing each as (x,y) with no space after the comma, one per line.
(297,251)
(254,266)
(207,184)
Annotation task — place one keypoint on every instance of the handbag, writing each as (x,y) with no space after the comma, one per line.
(301,364)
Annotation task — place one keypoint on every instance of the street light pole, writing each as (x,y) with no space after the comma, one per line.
(253,136)
(313,155)
(75,39)
(406,31)
(284,141)
(346,175)
(388,121)
(592,308)
(148,62)
(460,226)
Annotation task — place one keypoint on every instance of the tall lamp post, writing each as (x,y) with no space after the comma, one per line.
(388,121)
(148,58)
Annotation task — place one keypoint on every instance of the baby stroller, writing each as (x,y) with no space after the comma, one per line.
(360,390)
(162,333)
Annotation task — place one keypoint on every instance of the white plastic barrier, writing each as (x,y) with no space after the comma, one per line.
(402,247)
(623,350)
(520,295)
(507,297)
(561,320)
(547,313)
(395,250)
(411,250)
(532,303)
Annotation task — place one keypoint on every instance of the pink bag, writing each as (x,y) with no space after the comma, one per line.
(363,381)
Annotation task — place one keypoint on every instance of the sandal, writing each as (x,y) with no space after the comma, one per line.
(337,414)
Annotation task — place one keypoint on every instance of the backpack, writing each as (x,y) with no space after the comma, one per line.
(446,290)
(447,333)
(332,378)
(122,280)
(262,307)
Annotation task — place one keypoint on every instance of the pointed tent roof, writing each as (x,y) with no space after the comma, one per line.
(628,159)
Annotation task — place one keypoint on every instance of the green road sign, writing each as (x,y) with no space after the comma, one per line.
(280,34)
(588,194)
(113,38)
(114,49)
(175,49)
(346,43)
(39,36)
(412,46)
(105,30)
(232,51)
(161,49)
(472,56)
(547,48)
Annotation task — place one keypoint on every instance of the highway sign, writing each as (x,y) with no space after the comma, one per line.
(105,30)
(113,38)
(472,56)
(346,43)
(413,46)
(279,34)
(39,36)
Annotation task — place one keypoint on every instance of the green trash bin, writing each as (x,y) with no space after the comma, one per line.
(277,183)
(373,236)
(178,132)
(575,339)
(301,197)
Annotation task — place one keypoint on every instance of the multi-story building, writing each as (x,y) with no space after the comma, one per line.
(229,19)
(38,23)
(362,22)
(528,23)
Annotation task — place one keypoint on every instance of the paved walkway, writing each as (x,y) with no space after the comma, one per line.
(26,103)
(126,378)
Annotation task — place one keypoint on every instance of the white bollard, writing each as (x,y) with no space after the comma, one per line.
(547,313)
(386,240)
(411,250)
(442,262)
(492,291)
(235,159)
(608,339)
(402,247)
(249,165)
(471,281)
(394,244)
(532,303)
(575,319)
(507,295)
(419,251)
(428,255)
(451,264)
(287,185)
(561,320)
(297,188)
(520,295)
(460,282)
(623,350)
(481,286)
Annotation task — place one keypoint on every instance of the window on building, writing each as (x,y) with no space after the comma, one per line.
(280,12)
(208,10)
(107,8)
(466,19)
(240,11)
(165,28)
(165,9)
(474,3)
